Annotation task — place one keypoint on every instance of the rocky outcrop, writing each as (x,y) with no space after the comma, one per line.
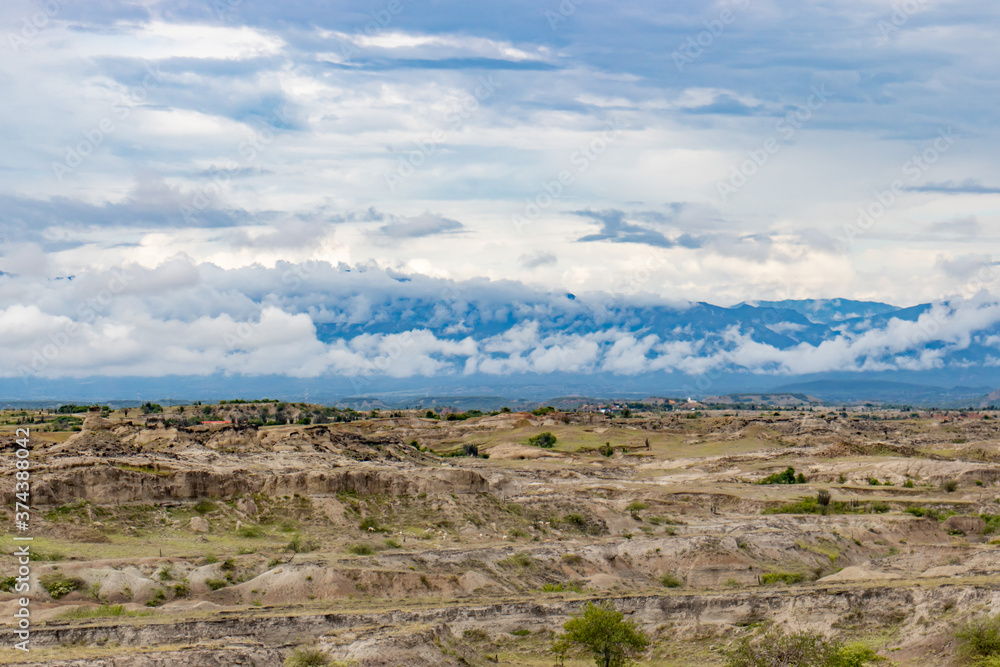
(102,483)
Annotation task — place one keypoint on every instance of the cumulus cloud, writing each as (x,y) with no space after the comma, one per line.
(317,319)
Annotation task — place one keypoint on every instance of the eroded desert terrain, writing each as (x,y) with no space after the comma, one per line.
(200,545)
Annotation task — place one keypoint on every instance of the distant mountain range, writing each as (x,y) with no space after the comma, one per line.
(506,341)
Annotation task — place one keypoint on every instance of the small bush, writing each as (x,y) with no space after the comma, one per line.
(569,559)
(250,531)
(159,597)
(607,451)
(7,584)
(204,506)
(908,484)
(823,497)
(979,638)
(669,580)
(949,485)
(545,440)
(308,657)
(361,549)
(522,559)
(636,506)
(786,476)
(58,584)
(803,649)
(302,545)
(476,635)
(470,450)
(392,544)
(789,578)
(216,584)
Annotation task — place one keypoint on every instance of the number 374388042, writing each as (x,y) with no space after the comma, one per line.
(22,486)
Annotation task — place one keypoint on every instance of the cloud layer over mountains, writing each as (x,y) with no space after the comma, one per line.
(315,319)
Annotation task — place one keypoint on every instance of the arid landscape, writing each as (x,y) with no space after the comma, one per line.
(408,539)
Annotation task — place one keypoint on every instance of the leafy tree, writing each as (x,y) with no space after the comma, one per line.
(603,630)
(786,476)
(546,440)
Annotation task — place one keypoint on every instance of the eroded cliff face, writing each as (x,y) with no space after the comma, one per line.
(230,545)
(377,638)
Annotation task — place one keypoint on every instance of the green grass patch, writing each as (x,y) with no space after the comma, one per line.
(104,611)
(789,578)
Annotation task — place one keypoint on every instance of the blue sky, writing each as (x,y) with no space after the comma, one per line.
(707,151)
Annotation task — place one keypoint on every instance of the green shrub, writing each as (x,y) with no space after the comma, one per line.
(786,476)
(521,559)
(159,597)
(545,440)
(802,649)
(308,657)
(58,584)
(908,484)
(216,584)
(7,584)
(949,485)
(669,580)
(361,549)
(636,506)
(979,638)
(204,506)
(302,545)
(782,577)
(392,544)
(250,531)
(607,450)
